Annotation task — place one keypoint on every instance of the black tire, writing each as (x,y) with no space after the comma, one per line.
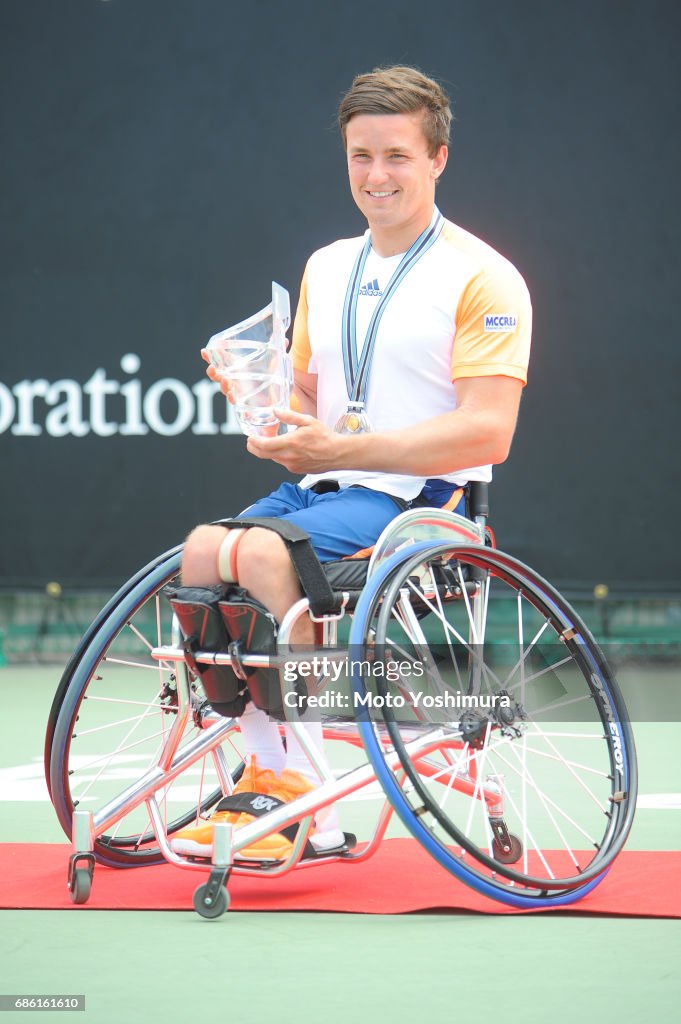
(91,743)
(103,616)
(507,854)
(81,885)
(570,784)
(215,909)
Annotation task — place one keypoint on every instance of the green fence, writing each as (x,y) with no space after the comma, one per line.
(47,626)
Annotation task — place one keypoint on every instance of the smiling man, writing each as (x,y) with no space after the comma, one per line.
(410,351)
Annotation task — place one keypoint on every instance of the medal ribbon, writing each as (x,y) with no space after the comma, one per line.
(357,369)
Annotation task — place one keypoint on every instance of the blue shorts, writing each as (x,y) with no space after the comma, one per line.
(340,523)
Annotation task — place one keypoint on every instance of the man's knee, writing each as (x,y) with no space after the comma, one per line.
(200,556)
(215,554)
(265,570)
(261,551)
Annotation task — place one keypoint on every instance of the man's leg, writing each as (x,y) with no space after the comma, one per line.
(200,567)
(265,570)
(338,524)
(263,567)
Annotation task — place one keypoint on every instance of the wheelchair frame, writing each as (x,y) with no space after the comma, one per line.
(399,758)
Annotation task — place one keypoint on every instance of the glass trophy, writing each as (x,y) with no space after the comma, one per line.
(252,357)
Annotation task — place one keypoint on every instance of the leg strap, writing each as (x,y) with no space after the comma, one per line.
(312,578)
(227,570)
(252,628)
(203,629)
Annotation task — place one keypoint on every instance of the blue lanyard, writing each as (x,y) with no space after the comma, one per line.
(357,369)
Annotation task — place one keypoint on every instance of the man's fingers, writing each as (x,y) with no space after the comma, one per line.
(256,447)
(213,374)
(298,419)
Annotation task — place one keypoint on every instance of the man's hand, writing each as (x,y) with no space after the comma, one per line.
(213,375)
(311,448)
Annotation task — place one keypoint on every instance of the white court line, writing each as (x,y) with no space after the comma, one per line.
(25,783)
(659,802)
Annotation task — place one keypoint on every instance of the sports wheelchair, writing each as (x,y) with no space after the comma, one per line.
(486,712)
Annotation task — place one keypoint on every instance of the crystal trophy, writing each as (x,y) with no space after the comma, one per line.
(252,357)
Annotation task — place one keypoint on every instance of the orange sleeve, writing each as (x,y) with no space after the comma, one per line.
(493,326)
(301,353)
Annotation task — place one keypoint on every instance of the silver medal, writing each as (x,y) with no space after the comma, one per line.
(354,420)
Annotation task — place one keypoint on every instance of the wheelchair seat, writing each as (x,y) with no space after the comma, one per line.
(347,578)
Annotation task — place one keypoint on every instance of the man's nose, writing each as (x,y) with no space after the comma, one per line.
(378,173)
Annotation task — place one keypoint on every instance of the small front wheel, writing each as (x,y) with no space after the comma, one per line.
(510,854)
(81,885)
(211,907)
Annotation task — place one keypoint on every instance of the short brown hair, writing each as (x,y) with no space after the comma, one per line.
(399,90)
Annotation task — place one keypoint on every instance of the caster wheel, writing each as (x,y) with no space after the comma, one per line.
(218,906)
(507,856)
(81,885)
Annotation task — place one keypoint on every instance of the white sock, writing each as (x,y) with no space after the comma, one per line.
(326,820)
(296,758)
(261,739)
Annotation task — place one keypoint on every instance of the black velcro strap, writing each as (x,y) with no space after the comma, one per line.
(308,568)
(257,805)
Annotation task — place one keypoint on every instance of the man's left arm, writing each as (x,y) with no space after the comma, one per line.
(477,433)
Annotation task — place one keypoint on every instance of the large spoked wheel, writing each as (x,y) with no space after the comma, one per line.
(510,732)
(111,718)
(167,559)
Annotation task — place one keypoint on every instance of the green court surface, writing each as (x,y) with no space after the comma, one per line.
(282,967)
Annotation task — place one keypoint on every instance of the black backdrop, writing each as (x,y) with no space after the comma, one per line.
(164,160)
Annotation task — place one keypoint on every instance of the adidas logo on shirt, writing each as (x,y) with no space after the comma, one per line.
(371,289)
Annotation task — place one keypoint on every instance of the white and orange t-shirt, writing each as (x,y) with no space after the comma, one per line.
(462,311)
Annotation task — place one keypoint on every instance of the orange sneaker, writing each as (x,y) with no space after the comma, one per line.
(197,840)
(279,845)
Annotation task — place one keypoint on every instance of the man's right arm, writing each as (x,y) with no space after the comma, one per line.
(305,380)
(305,390)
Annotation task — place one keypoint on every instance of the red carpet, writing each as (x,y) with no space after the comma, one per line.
(400,878)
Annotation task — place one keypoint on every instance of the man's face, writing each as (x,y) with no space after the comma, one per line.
(392,177)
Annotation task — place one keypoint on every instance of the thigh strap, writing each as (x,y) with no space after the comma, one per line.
(308,568)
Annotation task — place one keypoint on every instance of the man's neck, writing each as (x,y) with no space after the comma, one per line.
(389,241)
